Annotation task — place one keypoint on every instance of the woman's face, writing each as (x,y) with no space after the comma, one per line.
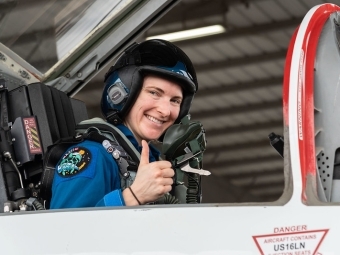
(156,108)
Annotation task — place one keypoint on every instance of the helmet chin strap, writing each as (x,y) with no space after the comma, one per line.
(113,117)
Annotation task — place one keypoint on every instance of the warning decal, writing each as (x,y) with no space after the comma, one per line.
(296,240)
(32,135)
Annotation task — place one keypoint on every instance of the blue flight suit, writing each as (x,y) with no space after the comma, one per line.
(87,175)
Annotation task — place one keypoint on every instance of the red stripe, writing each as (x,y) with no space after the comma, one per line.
(309,46)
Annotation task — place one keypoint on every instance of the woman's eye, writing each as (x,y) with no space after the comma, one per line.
(177,101)
(152,92)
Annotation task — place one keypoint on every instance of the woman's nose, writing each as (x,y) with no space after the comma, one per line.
(164,107)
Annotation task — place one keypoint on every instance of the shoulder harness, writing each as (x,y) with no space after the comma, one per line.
(98,130)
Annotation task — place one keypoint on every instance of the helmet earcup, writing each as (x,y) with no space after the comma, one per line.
(133,80)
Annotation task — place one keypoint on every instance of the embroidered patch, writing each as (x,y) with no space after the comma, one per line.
(74,161)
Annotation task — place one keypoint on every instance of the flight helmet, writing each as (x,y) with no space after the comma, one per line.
(124,80)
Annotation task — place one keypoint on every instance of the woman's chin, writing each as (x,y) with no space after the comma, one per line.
(153,137)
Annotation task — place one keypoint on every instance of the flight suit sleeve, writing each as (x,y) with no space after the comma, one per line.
(86,176)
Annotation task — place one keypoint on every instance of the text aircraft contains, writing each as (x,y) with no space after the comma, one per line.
(303,221)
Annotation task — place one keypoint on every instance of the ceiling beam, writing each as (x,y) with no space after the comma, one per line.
(239,162)
(246,128)
(242,32)
(189,12)
(261,186)
(239,87)
(249,108)
(272,172)
(237,62)
(253,186)
(241,146)
(193,11)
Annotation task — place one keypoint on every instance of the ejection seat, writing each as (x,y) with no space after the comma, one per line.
(32,117)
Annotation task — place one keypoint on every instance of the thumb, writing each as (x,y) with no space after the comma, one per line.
(144,158)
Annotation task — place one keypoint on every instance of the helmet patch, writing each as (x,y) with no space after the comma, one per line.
(74,161)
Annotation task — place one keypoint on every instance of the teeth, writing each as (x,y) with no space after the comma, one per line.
(154,119)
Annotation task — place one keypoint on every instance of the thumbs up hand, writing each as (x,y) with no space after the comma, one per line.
(153,179)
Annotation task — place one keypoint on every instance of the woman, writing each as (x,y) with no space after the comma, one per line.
(150,87)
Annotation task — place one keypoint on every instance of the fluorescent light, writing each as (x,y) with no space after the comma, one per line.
(191,33)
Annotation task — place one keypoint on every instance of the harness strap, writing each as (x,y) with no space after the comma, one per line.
(129,157)
(117,135)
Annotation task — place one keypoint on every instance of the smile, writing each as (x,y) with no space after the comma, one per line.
(154,119)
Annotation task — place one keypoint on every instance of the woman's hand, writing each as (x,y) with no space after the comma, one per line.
(152,181)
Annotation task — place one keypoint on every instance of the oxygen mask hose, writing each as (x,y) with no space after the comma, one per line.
(183,146)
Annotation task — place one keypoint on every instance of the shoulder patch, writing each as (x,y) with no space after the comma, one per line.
(74,162)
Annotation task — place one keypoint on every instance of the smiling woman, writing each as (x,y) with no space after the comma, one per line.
(149,88)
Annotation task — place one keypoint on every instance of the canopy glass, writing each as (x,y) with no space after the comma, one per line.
(42,32)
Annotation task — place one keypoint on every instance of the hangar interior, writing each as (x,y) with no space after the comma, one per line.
(240,75)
